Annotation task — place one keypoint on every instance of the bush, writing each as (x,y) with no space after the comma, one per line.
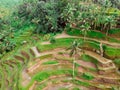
(7,45)
(52,40)
(76,88)
(87,76)
(117,61)
(112,53)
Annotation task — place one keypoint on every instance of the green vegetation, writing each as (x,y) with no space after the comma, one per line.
(46,74)
(87,76)
(81,83)
(94,34)
(46,56)
(63,89)
(40,87)
(112,52)
(50,62)
(89,58)
(75,88)
(65,43)
(109,51)
(83,25)
(114,31)
(117,62)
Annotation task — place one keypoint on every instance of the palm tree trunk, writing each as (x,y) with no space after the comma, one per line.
(84,36)
(107,32)
(73,67)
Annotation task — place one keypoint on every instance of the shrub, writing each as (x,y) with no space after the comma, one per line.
(87,76)
(76,88)
(117,61)
(52,40)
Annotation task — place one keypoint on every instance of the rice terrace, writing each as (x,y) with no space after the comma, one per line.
(59,44)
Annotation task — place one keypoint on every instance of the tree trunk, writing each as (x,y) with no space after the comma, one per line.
(73,67)
(85,35)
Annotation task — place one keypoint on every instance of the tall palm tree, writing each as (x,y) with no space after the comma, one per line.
(74,50)
(85,28)
(110,21)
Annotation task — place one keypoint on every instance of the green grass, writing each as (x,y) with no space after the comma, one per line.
(77,64)
(60,43)
(93,69)
(94,34)
(66,42)
(75,88)
(115,31)
(50,62)
(78,82)
(87,76)
(112,52)
(92,44)
(46,56)
(89,58)
(117,61)
(24,34)
(40,87)
(46,74)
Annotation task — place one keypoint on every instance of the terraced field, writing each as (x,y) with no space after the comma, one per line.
(49,67)
(59,45)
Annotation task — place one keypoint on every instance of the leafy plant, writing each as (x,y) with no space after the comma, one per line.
(52,40)
(87,76)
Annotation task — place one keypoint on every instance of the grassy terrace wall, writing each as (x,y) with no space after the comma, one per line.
(109,52)
(95,34)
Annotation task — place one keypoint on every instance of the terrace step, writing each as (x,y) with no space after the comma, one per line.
(21,59)
(100,59)
(35,51)
(25,54)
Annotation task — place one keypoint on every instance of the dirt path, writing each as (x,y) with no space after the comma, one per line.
(45,43)
(97,56)
(58,86)
(25,78)
(64,35)
(102,60)
(52,51)
(33,85)
(39,54)
(86,64)
(35,51)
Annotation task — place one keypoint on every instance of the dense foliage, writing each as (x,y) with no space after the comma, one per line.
(89,16)
(46,15)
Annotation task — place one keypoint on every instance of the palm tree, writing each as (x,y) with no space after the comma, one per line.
(110,21)
(85,28)
(74,49)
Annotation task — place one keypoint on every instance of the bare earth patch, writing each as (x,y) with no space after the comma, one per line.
(25,78)
(86,64)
